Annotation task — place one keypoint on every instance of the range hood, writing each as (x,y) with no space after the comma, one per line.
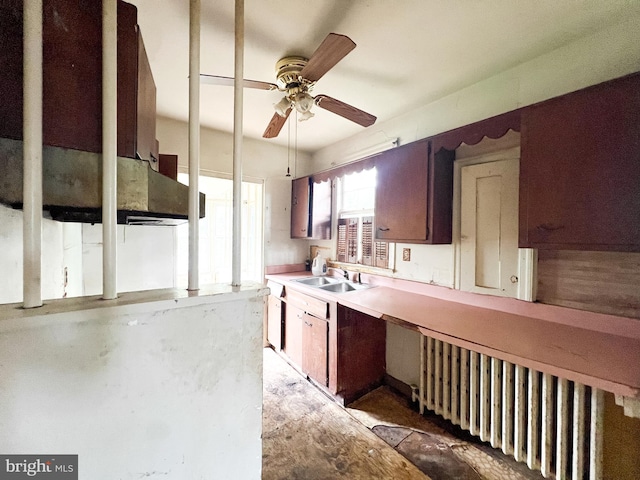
(72,117)
(72,187)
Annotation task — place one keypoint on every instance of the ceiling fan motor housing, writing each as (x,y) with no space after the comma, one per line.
(288,71)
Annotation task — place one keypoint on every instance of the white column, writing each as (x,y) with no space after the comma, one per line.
(194,142)
(236,262)
(109,148)
(32,155)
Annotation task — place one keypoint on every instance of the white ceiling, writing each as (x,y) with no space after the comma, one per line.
(409,52)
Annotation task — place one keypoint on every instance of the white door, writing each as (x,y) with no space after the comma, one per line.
(489,228)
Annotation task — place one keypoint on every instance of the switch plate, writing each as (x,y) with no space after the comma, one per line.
(406,254)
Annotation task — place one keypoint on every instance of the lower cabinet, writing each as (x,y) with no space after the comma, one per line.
(360,353)
(340,349)
(306,336)
(293,323)
(275,322)
(314,349)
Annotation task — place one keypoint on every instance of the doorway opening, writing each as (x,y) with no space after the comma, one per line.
(216,233)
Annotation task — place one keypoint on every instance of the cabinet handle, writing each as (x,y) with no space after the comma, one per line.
(383,229)
(307,324)
(549,227)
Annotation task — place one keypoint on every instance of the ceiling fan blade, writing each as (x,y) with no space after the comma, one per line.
(344,110)
(228,82)
(332,49)
(275,125)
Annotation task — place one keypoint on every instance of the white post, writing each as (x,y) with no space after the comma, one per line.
(194,142)
(32,155)
(109,148)
(236,262)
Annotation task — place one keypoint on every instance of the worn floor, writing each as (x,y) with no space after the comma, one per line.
(308,436)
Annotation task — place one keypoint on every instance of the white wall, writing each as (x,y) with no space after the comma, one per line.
(61,248)
(146,386)
(261,160)
(146,258)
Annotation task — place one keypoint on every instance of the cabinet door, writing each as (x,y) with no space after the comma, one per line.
(401,193)
(146,107)
(300,197)
(321,210)
(580,170)
(293,323)
(314,348)
(361,344)
(414,194)
(274,322)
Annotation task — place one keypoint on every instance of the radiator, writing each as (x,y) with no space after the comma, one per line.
(552,424)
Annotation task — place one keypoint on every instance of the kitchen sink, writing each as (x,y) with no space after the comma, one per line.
(332,284)
(318,281)
(342,287)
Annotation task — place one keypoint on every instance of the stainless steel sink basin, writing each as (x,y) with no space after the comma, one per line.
(332,284)
(338,287)
(342,287)
(318,281)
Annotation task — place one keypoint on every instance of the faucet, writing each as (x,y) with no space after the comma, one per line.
(359,279)
(346,274)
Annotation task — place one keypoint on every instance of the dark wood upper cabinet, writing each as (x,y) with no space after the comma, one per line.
(300,207)
(580,170)
(310,209)
(414,194)
(146,144)
(72,78)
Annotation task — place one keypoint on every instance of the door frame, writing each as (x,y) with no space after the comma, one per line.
(527,257)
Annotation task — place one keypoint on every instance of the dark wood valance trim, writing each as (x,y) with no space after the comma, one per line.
(357,166)
(494,127)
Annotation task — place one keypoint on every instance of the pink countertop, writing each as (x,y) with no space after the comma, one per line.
(599,350)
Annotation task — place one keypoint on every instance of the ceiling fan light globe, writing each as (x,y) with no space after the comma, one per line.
(303,102)
(305,116)
(282,106)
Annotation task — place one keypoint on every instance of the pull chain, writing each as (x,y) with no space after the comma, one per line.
(288,147)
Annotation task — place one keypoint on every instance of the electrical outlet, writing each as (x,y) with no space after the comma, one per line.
(406,254)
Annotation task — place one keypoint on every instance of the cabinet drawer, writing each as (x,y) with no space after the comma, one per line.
(314,306)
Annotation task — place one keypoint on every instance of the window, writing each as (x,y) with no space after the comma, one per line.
(356,221)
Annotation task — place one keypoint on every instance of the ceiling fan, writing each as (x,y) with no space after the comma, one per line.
(296,77)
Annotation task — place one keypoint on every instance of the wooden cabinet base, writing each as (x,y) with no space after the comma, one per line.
(359,354)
